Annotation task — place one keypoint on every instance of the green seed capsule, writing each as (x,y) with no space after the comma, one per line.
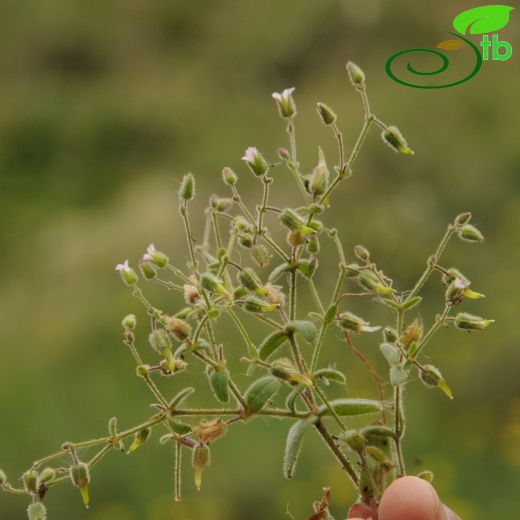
(37,511)
(319,179)
(147,270)
(249,279)
(393,138)
(139,439)
(46,475)
(159,339)
(356,74)
(470,233)
(326,113)
(187,189)
(129,322)
(229,176)
(80,476)
(30,481)
(463,218)
(466,321)
(201,459)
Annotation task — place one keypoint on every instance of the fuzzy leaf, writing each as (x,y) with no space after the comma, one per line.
(398,375)
(483,19)
(294,444)
(330,314)
(219,382)
(271,343)
(179,398)
(306,328)
(180,428)
(290,401)
(260,392)
(391,353)
(277,271)
(345,407)
(331,374)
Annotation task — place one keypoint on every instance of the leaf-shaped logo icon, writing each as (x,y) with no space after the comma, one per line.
(451,45)
(484,19)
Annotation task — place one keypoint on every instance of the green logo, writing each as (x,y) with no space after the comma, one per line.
(477,21)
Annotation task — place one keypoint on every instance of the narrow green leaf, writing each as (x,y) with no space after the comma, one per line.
(271,343)
(330,314)
(279,270)
(294,445)
(331,374)
(179,398)
(259,393)
(306,328)
(290,401)
(412,302)
(180,428)
(345,407)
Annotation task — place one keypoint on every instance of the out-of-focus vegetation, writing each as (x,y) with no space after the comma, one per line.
(105,104)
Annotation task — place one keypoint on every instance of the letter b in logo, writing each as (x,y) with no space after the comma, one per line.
(501,50)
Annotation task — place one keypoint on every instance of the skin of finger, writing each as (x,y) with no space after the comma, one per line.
(412,498)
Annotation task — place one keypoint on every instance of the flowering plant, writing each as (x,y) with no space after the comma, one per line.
(241,268)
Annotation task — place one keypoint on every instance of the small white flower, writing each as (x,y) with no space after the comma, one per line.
(250,154)
(123,267)
(284,96)
(151,249)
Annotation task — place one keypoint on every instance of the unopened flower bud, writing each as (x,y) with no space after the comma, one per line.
(466,321)
(254,304)
(356,74)
(220,203)
(463,218)
(250,281)
(285,103)
(179,328)
(372,283)
(159,340)
(142,370)
(46,475)
(362,253)
(354,440)
(326,113)
(393,138)
(319,179)
(451,274)
(351,270)
(187,189)
(294,222)
(201,459)
(128,275)
(37,511)
(470,233)
(229,176)
(349,321)
(431,376)
(390,335)
(147,269)
(80,476)
(455,291)
(313,245)
(283,153)
(30,481)
(129,322)
(213,284)
(412,333)
(139,439)
(246,241)
(255,160)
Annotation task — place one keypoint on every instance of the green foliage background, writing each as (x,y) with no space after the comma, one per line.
(104,105)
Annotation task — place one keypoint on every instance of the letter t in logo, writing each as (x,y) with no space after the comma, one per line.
(485,44)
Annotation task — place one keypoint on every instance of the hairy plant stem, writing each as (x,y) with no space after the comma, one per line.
(189,236)
(399,417)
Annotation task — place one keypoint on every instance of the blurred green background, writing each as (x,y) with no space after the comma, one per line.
(104,105)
